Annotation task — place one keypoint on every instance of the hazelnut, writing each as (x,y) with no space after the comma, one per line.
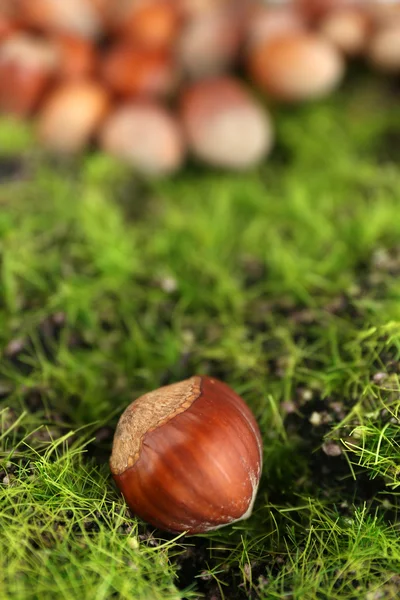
(146,136)
(296,66)
(188,457)
(77,57)
(384,13)
(27,65)
(77,17)
(224,124)
(383,50)
(71,115)
(9,9)
(315,9)
(150,23)
(347,28)
(193,8)
(209,43)
(133,71)
(7,27)
(267,21)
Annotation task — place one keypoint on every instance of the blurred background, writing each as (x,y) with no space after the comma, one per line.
(153,82)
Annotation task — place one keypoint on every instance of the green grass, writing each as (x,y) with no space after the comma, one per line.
(284,282)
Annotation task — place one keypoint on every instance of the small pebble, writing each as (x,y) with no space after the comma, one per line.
(15,347)
(288,407)
(307,395)
(331,449)
(133,543)
(315,419)
(169,284)
(379,377)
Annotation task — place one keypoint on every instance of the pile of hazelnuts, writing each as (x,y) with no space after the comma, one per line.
(153,81)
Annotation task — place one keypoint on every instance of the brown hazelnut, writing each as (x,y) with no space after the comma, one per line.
(210,43)
(145,136)
(7,27)
(267,21)
(188,457)
(225,125)
(383,50)
(384,13)
(77,57)
(348,29)
(27,65)
(296,66)
(71,114)
(315,9)
(149,23)
(77,17)
(139,72)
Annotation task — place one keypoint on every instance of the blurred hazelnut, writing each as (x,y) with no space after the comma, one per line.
(71,115)
(77,57)
(150,23)
(210,43)
(26,67)
(347,28)
(78,17)
(296,66)
(144,135)
(133,71)
(224,124)
(384,49)
(7,27)
(9,8)
(315,9)
(193,8)
(266,21)
(384,13)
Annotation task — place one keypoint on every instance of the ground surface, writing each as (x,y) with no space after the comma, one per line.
(284,282)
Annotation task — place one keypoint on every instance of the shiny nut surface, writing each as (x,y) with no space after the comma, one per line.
(188,457)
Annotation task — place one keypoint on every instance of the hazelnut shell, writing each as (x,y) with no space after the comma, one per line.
(151,24)
(71,114)
(296,66)
(146,136)
(225,125)
(348,29)
(188,456)
(133,71)
(210,43)
(27,65)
